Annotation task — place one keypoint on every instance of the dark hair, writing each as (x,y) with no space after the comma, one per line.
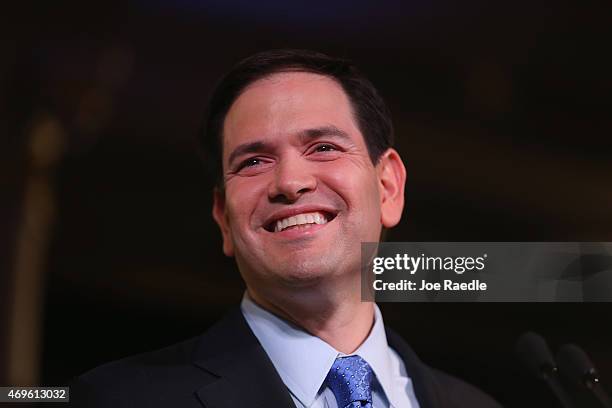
(371,113)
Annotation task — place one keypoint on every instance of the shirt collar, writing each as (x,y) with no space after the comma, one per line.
(303,360)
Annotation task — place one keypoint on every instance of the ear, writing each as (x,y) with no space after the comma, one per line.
(392,179)
(220,216)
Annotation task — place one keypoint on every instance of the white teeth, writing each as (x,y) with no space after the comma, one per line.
(300,219)
(320,219)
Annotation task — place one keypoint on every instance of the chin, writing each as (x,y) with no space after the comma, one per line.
(306,273)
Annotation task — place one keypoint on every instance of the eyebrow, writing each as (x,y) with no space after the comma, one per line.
(323,131)
(306,134)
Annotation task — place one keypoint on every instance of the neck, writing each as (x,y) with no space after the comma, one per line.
(340,319)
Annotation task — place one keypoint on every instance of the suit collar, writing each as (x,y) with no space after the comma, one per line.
(246,376)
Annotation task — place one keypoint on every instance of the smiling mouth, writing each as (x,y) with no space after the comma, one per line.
(305,220)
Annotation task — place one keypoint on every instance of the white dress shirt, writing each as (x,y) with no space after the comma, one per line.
(303,361)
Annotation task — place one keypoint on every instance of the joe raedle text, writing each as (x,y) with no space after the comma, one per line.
(426,286)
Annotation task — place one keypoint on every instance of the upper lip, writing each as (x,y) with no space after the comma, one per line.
(289,212)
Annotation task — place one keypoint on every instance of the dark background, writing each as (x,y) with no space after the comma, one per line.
(501,114)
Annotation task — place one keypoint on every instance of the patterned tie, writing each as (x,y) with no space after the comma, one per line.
(350,379)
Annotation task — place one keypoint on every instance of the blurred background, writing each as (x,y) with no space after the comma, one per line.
(502,115)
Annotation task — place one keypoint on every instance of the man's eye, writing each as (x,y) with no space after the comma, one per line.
(250,163)
(325,148)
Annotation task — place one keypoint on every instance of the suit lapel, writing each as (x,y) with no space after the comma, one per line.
(426,387)
(246,376)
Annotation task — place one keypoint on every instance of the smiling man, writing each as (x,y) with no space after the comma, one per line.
(302,144)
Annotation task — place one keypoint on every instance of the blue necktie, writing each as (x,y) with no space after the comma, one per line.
(350,379)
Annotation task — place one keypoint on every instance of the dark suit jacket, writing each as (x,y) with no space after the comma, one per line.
(226,367)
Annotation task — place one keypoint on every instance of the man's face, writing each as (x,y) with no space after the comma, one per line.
(301,192)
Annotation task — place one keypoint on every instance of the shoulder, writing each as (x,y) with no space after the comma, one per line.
(167,377)
(436,388)
(135,380)
(459,393)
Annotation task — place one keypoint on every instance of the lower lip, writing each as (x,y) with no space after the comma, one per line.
(300,232)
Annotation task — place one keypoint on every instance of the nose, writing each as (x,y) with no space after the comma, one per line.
(292,179)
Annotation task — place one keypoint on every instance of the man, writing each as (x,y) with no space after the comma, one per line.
(307,173)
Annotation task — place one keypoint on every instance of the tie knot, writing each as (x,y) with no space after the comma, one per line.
(350,379)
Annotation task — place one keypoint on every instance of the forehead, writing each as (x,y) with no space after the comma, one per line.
(287,103)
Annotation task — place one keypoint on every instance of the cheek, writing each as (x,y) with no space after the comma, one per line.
(349,170)
(242,197)
(357,184)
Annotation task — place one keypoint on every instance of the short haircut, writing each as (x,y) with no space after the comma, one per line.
(370,111)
